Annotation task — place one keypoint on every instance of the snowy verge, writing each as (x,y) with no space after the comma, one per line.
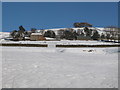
(63,42)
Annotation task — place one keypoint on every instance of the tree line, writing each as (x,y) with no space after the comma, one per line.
(111,33)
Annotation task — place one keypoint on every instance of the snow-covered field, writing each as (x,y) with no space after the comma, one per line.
(33,67)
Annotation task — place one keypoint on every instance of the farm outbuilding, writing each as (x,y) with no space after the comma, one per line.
(37,37)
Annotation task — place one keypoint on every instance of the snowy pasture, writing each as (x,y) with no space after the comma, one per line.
(33,67)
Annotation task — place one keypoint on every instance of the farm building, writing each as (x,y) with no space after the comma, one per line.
(37,37)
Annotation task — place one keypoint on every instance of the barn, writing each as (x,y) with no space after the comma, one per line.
(37,37)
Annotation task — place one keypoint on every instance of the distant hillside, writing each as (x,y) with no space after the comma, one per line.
(100,30)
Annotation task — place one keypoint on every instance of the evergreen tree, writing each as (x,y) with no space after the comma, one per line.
(50,34)
(82,34)
(21,28)
(88,31)
(102,36)
(13,33)
(18,35)
(96,35)
(108,36)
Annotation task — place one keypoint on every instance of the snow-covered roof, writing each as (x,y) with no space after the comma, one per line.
(36,34)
